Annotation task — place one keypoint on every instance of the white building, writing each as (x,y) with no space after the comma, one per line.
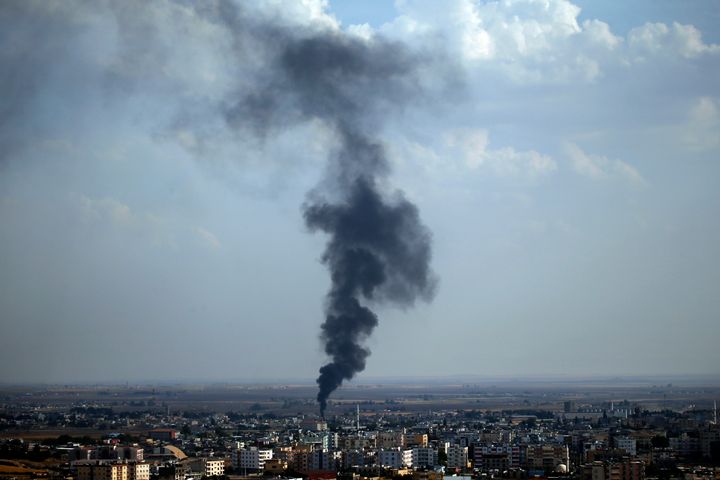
(424,457)
(457,456)
(213,467)
(251,458)
(407,457)
(139,471)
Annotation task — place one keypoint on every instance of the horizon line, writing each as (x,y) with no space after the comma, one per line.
(386,380)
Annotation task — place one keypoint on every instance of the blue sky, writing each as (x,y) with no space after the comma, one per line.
(623,16)
(563,154)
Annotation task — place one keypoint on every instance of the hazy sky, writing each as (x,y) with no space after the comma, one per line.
(565,156)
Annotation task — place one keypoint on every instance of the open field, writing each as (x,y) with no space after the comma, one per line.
(408,397)
(15,468)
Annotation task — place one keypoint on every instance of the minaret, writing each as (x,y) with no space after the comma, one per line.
(358,419)
(715,412)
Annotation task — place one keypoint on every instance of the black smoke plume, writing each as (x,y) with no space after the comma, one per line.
(378,249)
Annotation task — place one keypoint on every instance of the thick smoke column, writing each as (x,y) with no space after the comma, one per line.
(378,250)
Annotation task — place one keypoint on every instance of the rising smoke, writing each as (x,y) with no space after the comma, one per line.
(378,249)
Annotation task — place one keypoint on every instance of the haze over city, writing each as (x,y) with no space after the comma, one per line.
(163,168)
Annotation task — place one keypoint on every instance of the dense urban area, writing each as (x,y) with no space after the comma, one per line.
(605,431)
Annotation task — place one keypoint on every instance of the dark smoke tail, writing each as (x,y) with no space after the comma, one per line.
(378,251)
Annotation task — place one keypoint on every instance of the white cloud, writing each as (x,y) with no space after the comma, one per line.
(158,231)
(528,41)
(209,238)
(507,160)
(659,39)
(702,130)
(117,218)
(471,145)
(106,209)
(600,167)
(364,31)
(537,41)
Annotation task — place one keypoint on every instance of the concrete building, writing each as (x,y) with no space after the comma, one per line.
(389,440)
(466,439)
(252,458)
(298,457)
(102,471)
(457,456)
(390,458)
(324,460)
(325,439)
(709,437)
(112,470)
(685,445)
(629,445)
(314,424)
(108,452)
(424,457)
(275,467)
(497,457)
(407,457)
(204,466)
(547,457)
(356,442)
(416,440)
(623,470)
(353,458)
(163,434)
(139,471)
(495,437)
